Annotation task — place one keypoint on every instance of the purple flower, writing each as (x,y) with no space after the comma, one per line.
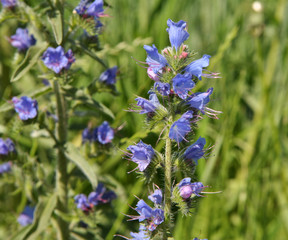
(187,189)
(25,107)
(100,195)
(8,3)
(82,202)
(109,76)
(181,127)
(26,217)
(152,75)
(82,7)
(95,9)
(200,239)
(199,100)
(87,135)
(155,60)
(162,88)
(105,133)
(142,154)
(142,235)
(5,167)
(56,60)
(195,151)
(195,68)
(182,84)
(177,33)
(148,106)
(6,146)
(156,196)
(21,40)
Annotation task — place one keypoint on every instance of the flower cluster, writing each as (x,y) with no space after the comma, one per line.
(99,196)
(26,107)
(188,189)
(21,40)
(6,146)
(26,217)
(56,60)
(102,134)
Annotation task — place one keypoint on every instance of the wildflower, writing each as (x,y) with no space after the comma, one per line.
(195,151)
(142,154)
(148,106)
(105,133)
(95,9)
(182,84)
(152,75)
(181,127)
(101,195)
(25,107)
(199,100)
(9,3)
(142,235)
(5,167)
(6,146)
(26,217)
(162,88)
(187,189)
(56,60)
(195,68)
(82,7)
(156,196)
(87,135)
(155,60)
(109,76)
(21,40)
(177,33)
(82,202)
(200,239)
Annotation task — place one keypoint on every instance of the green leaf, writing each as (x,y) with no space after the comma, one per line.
(55,19)
(31,58)
(74,156)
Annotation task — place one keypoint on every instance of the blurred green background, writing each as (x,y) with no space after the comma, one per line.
(249,162)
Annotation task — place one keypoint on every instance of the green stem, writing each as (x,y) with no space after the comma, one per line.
(61,170)
(168,169)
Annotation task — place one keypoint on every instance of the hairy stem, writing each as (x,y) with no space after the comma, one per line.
(61,170)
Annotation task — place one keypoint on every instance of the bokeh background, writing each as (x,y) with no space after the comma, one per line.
(248,43)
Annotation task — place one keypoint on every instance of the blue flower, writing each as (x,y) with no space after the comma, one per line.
(200,239)
(162,88)
(155,60)
(21,40)
(96,9)
(101,195)
(105,133)
(181,127)
(142,235)
(156,196)
(177,33)
(195,68)
(55,59)
(26,217)
(182,84)
(142,154)
(8,3)
(6,146)
(82,7)
(87,135)
(187,189)
(109,76)
(25,107)
(148,106)
(5,167)
(195,151)
(199,100)
(82,202)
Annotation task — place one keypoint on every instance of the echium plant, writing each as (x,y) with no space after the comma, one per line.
(175,109)
(48,171)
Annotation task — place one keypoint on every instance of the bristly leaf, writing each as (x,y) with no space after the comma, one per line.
(88,25)
(178,200)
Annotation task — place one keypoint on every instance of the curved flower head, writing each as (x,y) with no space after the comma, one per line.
(195,151)
(55,59)
(148,106)
(95,9)
(105,133)
(162,88)
(181,127)
(82,202)
(156,196)
(187,189)
(25,107)
(155,60)
(26,217)
(9,3)
(199,100)
(21,40)
(195,68)
(109,76)
(5,167)
(142,154)
(177,33)
(182,84)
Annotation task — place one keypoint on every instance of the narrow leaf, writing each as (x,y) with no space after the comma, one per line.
(55,19)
